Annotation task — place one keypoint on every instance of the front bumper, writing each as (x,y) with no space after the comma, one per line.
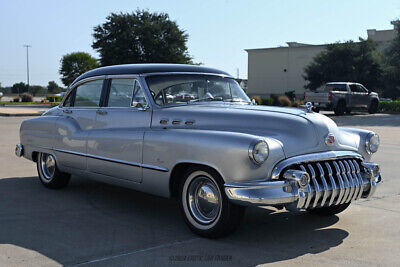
(331,188)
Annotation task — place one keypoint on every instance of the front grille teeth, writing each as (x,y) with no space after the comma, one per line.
(332,182)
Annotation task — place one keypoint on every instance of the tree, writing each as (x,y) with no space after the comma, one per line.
(140,37)
(36,89)
(53,87)
(391,66)
(347,61)
(75,64)
(19,88)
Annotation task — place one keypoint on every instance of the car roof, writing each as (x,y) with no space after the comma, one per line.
(147,68)
(342,83)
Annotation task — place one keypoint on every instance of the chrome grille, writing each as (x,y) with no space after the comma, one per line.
(332,182)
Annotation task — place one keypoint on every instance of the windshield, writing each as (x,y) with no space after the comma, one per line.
(190,88)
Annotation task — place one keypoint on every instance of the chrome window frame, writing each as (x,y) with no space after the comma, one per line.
(75,85)
(135,78)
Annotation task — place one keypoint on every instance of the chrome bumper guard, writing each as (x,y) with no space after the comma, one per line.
(338,182)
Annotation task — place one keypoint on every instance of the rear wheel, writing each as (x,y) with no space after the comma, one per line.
(49,174)
(204,205)
(373,107)
(329,211)
(340,108)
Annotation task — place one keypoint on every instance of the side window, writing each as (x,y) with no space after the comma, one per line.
(138,98)
(88,94)
(353,88)
(362,89)
(68,101)
(121,92)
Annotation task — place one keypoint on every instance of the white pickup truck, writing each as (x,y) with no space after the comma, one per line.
(343,97)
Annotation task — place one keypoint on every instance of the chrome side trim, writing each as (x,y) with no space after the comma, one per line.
(322,156)
(130,163)
(185,73)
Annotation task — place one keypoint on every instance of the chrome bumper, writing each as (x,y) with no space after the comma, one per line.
(347,184)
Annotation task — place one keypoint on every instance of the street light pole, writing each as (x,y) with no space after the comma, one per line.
(27,64)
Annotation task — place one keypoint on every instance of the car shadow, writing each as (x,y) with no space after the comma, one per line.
(90,220)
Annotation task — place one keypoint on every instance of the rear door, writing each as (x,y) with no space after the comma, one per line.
(115,146)
(77,120)
(363,96)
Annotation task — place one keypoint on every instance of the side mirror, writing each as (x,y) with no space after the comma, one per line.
(140,106)
(253,102)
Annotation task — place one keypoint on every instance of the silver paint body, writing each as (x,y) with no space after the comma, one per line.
(132,148)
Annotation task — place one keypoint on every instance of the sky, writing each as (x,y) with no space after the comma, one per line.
(219,30)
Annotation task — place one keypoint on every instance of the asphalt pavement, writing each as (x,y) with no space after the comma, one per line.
(91,223)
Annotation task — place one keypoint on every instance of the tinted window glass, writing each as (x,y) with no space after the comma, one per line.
(121,92)
(335,87)
(361,89)
(88,94)
(354,88)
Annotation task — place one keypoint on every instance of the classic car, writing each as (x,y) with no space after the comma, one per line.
(216,153)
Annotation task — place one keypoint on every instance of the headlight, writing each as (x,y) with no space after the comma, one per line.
(372,143)
(258,152)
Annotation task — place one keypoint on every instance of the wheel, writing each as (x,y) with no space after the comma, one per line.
(340,108)
(49,174)
(348,111)
(329,211)
(204,205)
(373,107)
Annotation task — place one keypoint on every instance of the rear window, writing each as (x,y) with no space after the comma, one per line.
(335,87)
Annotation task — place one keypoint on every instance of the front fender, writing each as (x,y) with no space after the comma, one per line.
(359,137)
(226,152)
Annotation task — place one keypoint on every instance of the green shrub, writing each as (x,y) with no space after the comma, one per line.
(389,106)
(267,101)
(52,98)
(26,97)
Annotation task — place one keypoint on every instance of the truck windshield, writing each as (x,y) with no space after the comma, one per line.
(189,88)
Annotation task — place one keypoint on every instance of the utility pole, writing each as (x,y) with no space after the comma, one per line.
(27,64)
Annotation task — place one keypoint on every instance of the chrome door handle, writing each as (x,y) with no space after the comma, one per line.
(67,111)
(101,112)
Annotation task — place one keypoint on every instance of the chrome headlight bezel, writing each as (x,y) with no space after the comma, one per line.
(370,143)
(254,148)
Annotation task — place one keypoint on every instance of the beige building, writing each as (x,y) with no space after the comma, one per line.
(280,69)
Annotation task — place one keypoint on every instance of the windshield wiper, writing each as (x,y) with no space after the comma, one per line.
(206,99)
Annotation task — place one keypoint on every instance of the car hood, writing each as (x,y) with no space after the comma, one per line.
(297,131)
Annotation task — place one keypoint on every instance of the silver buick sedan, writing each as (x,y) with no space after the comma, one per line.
(191,133)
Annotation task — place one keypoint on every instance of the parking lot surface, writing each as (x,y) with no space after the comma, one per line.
(91,223)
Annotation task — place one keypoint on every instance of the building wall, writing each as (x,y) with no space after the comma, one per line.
(266,69)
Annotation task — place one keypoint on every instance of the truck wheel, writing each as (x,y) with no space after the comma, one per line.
(49,174)
(348,111)
(340,108)
(329,211)
(373,107)
(204,205)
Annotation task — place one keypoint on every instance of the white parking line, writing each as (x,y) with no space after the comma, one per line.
(135,252)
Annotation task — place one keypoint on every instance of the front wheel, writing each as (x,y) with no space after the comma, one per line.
(204,205)
(330,211)
(373,107)
(49,174)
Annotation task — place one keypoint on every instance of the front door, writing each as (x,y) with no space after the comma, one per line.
(115,145)
(77,120)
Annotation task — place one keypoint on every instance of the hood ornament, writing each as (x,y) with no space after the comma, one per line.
(330,140)
(308,106)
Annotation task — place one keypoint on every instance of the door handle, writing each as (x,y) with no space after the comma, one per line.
(68,111)
(101,112)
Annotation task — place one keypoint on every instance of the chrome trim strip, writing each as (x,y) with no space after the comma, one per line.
(335,189)
(316,186)
(355,180)
(360,179)
(322,156)
(341,184)
(309,190)
(346,183)
(130,163)
(185,73)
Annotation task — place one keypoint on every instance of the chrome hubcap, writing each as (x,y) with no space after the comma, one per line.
(203,199)
(48,165)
